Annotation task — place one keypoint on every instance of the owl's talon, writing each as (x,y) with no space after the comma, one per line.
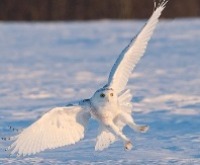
(144,128)
(128,146)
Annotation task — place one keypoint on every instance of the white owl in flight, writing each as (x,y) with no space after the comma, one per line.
(111,106)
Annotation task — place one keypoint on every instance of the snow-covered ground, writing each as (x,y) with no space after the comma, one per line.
(43,65)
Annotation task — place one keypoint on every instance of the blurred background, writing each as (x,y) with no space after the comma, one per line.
(52,10)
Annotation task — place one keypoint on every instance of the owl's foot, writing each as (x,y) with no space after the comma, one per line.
(143,128)
(128,146)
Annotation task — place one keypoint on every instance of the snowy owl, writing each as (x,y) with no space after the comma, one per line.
(111,106)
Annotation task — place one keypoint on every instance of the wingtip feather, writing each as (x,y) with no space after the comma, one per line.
(161,4)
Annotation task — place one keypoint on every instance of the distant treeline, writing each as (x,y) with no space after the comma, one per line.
(28,10)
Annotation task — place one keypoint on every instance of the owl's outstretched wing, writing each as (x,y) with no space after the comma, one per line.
(60,126)
(130,56)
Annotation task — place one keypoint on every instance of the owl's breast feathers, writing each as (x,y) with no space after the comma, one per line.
(105,112)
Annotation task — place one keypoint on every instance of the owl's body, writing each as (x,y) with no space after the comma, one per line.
(113,112)
(111,106)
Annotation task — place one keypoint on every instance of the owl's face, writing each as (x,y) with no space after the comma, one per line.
(104,96)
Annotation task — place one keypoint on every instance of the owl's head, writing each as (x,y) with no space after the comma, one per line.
(104,96)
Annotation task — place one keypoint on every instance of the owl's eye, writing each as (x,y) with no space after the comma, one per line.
(102,95)
(111,94)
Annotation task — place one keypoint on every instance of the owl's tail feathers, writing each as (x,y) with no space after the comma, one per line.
(104,139)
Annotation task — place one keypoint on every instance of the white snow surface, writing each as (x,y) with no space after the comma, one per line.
(43,65)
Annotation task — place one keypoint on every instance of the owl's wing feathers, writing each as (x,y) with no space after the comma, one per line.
(125,101)
(60,126)
(130,56)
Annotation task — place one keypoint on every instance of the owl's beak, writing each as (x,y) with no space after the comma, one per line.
(107,98)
